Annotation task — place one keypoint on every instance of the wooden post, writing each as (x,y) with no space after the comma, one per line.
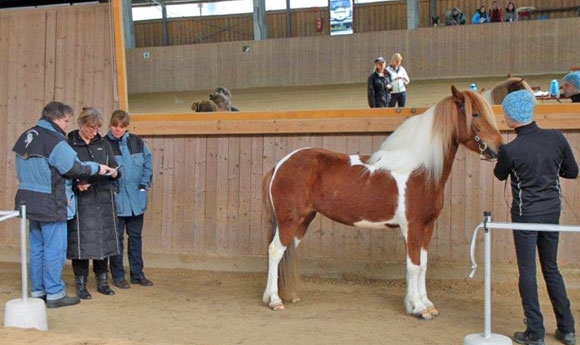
(121,71)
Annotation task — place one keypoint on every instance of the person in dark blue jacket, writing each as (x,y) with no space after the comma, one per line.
(130,199)
(534,161)
(45,165)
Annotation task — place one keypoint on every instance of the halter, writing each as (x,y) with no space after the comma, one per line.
(483,147)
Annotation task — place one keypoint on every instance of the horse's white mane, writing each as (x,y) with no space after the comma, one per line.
(411,146)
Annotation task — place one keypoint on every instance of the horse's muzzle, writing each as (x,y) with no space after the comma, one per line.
(486,153)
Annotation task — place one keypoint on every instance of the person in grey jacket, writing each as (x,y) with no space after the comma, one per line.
(535,160)
(130,198)
(45,165)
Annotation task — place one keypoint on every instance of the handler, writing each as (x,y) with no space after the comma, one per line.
(534,161)
(571,86)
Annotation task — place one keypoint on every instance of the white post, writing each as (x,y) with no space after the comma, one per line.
(23,258)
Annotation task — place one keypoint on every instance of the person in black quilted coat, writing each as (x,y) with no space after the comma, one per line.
(92,233)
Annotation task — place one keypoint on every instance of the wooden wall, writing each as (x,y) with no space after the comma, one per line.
(524,48)
(47,54)
(384,16)
(206,198)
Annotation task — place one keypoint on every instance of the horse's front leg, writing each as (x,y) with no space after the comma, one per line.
(275,253)
(416,301)
(423,286)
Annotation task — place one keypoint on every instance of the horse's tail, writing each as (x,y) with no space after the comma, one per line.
(267,202)
(288,271)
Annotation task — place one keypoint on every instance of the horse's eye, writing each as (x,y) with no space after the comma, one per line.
(475,114)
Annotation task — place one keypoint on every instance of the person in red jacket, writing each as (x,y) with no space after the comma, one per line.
(495,13)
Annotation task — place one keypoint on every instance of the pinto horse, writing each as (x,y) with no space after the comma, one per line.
(497,93)
(401,185)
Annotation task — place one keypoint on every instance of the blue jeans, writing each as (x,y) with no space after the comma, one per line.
(546,243)
(134,226)
(48,242)
(400,98)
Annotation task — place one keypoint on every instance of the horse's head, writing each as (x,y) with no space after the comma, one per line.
(502,89)
(477,127)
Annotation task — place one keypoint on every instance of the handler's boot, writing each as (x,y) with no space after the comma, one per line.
(102,284)
(81,286)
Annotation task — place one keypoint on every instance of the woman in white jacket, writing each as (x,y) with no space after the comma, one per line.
(399,79)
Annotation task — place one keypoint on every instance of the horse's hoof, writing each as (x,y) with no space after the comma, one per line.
(433,311)
(277,307)
(424,315)
(295,299)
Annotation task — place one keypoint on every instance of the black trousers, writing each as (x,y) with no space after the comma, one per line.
(546,243)
(81,266)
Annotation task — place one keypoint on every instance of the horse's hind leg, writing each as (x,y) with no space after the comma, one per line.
(275,252)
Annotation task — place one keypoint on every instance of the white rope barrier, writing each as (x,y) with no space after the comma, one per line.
(488,337)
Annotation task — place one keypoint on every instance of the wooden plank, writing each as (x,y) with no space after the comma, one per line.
(211,202)
(258,228)
(199,198)
(221,210)
(235,239)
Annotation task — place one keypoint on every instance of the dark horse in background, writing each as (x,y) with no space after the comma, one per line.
(496,94)
(401,185)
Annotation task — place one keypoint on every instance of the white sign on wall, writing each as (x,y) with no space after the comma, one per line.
(340,17)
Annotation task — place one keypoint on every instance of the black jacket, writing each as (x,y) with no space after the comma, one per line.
(535,160)
(92,233)
(377,93)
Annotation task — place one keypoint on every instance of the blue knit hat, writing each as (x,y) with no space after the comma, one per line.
(573,78)
(519,106)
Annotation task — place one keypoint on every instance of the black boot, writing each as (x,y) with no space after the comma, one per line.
(81,285)
(102,284)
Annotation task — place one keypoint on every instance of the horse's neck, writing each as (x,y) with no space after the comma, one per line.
(448,160)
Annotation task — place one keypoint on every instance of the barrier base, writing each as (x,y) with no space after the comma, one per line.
(26,314)
(479,339)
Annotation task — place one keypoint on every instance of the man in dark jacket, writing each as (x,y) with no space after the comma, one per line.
(571,86)
(534,161)
(45,163)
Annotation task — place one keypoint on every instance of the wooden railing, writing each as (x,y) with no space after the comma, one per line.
(561,116)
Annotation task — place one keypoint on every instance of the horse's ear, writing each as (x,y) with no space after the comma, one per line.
(457,95)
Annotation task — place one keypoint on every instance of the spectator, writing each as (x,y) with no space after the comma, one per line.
(44,165)
(454,17)
(571,86)
(495,13)
(221,101)
(379,85)
(480,16)
(92,233)
(203,106)
(534,161)
(131,198)
(226,92)
(511,13)
(399,79)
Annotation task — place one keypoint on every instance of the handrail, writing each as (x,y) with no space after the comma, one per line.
(24,263)
(560,116)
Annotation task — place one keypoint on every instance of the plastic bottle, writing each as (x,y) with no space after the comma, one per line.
(554,88)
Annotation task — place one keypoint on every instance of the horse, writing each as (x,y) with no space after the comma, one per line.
(497,93)
(399,186)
